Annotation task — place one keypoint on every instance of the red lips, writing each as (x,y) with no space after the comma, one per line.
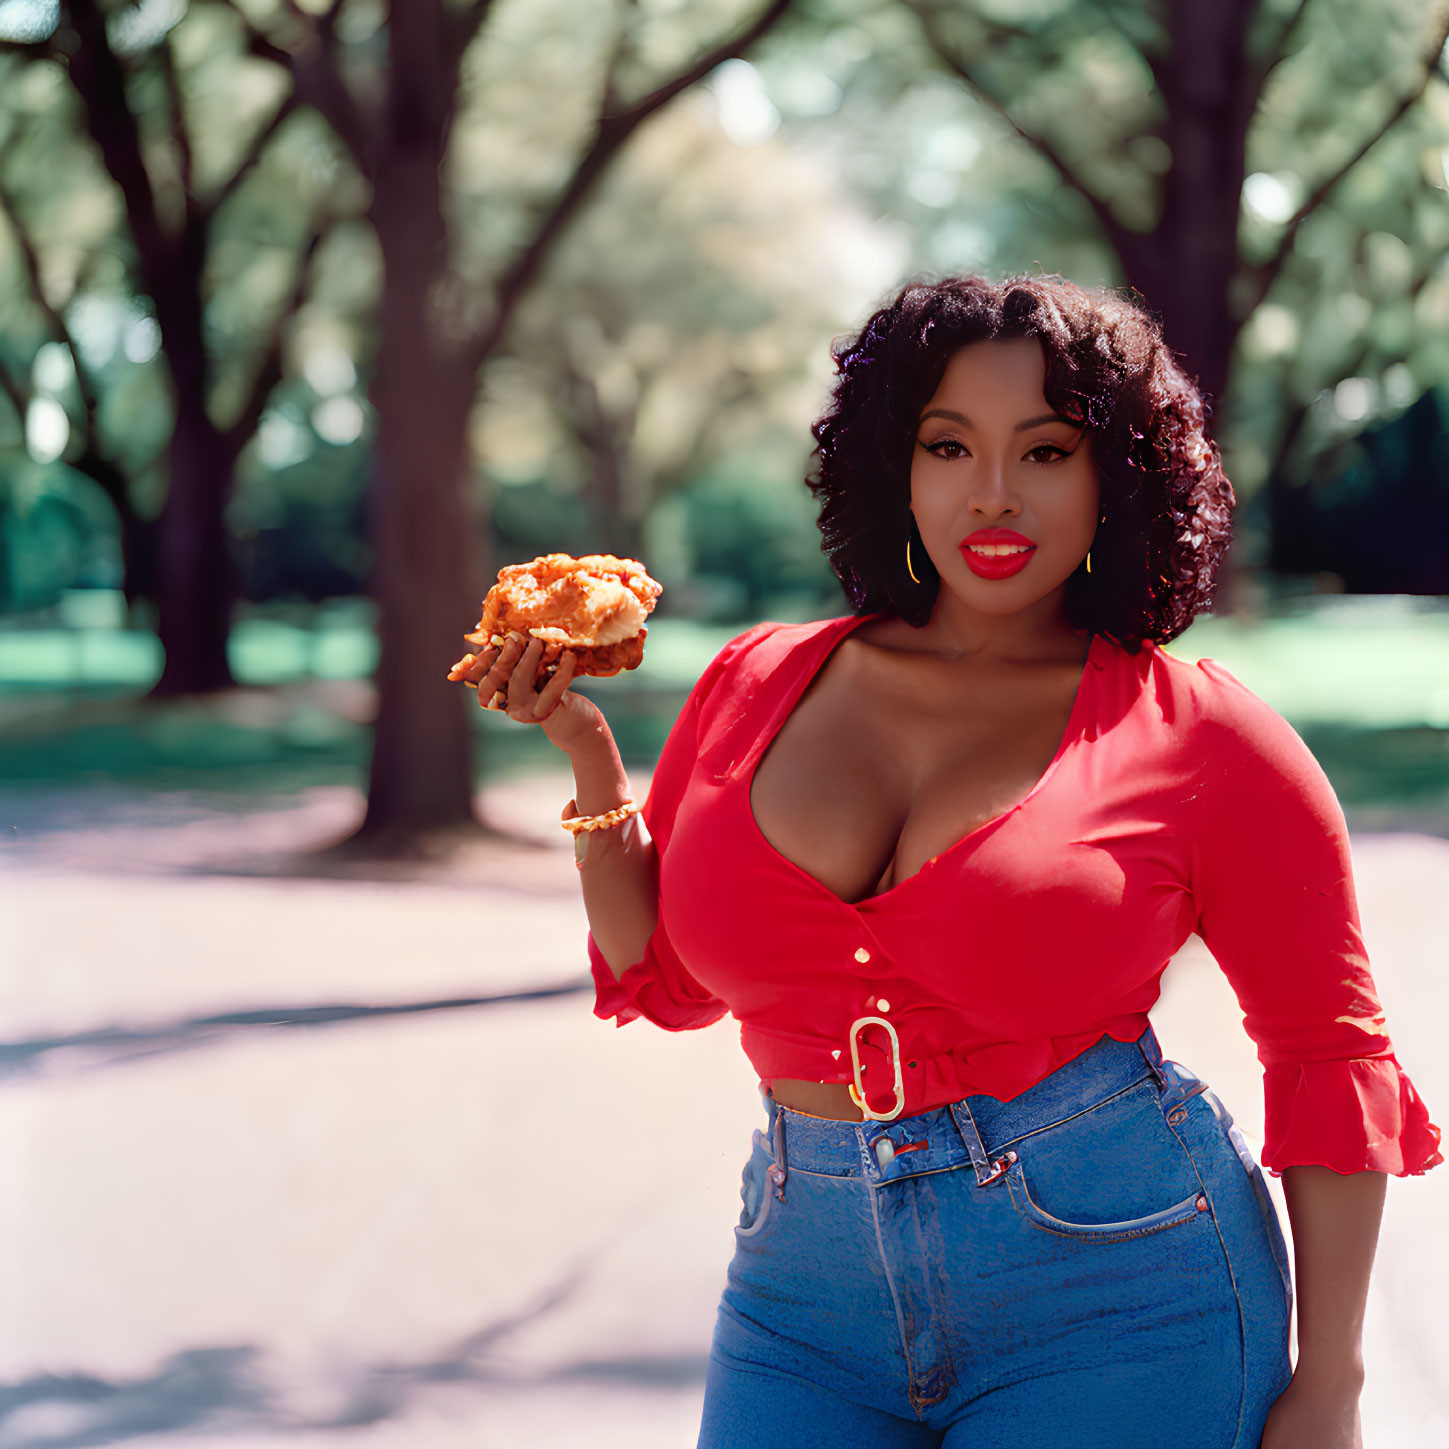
(997,565)
(998,535)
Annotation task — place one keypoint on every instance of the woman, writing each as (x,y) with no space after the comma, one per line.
(934,856)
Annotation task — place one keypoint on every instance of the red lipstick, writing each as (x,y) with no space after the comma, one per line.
(1006,552)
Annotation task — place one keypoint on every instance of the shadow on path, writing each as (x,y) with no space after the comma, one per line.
(118,1046)
(201,1385)
(222,1390)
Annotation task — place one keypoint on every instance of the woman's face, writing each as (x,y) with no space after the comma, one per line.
(991,455)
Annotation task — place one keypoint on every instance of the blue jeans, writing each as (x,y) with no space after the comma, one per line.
(1095,1264)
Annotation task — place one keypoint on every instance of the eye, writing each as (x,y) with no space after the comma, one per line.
(1047,453)
(937,449)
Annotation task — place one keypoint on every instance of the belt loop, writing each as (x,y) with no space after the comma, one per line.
(776,1174)
(1182,1085)
(1176,1085)
(966,1126)
(1151,1051)
(987,1169)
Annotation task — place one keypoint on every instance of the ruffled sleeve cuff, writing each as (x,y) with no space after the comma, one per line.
(1359,1115)
(611,1000)
(656,987)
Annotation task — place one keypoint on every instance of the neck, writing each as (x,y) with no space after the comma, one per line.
(1038,632)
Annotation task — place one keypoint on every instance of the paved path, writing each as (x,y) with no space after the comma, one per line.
(291,1159)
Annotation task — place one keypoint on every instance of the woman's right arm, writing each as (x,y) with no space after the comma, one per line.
(618,865)
(636,970)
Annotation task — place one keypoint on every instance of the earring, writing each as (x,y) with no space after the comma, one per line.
(909,569)
(1100,521)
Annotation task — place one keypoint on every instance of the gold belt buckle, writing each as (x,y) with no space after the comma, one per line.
(857,1087)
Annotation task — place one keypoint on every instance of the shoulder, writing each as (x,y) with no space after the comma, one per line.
(765,647)
(1210,697)
(1234,735)
(766,651)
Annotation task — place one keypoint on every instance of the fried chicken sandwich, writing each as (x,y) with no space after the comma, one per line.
(593,606)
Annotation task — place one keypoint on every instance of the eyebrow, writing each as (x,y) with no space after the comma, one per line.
(1020,427)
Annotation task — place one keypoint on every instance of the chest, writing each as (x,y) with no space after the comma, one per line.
(881,766)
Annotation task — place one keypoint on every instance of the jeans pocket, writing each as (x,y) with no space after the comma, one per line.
(1110,1174)
(756,1191)
(1120,1230)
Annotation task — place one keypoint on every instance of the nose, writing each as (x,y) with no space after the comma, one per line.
(993,493)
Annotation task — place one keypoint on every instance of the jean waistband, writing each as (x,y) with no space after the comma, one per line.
(975,1130)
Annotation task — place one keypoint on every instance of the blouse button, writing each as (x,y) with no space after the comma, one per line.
(862,955)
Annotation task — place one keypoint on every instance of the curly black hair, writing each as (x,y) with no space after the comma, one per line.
(1166,503)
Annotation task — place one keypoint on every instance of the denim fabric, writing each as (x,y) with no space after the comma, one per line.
(1095,1264)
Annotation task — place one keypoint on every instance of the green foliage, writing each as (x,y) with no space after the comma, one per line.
(943,172)
(111,405)
(57,532)
(537,516)
(1364,297)
(752,529)
(683,323)
(300,528)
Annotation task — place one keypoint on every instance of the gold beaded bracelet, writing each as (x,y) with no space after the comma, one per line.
(573,822)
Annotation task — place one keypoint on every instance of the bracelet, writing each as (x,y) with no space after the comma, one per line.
(573,822)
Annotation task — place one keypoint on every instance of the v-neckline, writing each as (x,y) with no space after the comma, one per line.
(786,708)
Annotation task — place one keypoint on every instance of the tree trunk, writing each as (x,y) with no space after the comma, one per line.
(1186,267)
(420,778)
(196,586)
(423,578)
(137,534)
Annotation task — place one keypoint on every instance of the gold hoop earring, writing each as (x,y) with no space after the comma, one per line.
(1101,519)
(909,569)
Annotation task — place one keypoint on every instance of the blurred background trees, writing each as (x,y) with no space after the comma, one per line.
(325,309)
(388,87)
(159,116)
(447,299)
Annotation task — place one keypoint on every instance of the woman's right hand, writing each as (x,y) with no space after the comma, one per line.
(566,717)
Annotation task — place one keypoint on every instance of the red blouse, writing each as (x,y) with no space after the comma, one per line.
(1177,801)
